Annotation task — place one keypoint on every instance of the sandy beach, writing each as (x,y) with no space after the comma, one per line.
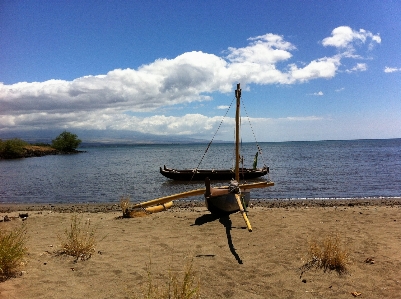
(229,261)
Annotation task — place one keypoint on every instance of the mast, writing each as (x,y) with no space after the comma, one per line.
(237,153)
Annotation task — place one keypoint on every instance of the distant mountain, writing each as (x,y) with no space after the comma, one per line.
(99,137)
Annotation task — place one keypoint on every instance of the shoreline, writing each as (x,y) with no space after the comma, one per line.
(189,204)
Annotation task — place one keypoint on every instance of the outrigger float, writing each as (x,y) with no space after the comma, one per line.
(221,200)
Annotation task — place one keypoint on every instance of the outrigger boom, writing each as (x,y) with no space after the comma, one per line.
(196,192)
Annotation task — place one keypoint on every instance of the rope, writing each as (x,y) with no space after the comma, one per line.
(210,143)
(254,136)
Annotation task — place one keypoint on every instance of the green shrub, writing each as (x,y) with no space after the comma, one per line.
(66,142)
(12,250)
(12,149)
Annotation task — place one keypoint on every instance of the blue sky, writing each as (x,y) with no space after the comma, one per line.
(309,70)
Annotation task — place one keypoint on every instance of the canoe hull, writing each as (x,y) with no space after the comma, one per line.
(212,174)
(226,204)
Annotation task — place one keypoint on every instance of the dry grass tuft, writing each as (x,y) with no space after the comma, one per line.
(124,204)
(185,286)
(12,250)
(79,241)
(130,213)
(327,254)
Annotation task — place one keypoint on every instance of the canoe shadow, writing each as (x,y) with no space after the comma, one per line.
(226,221)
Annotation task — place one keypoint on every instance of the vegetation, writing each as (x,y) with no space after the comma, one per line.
(66,142)
(327,254)
(79,240)
(12,250)
(185,287)
(16,148)
(13,148)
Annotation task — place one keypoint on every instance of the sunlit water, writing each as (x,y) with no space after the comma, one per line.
(318,170)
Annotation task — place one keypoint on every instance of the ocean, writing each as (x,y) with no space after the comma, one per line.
(300,170)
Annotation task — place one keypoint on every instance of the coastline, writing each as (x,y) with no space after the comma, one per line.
(188,204)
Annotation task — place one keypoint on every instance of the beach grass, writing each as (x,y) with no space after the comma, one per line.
(181,285)
(328,253)
(79,240)
(12,250)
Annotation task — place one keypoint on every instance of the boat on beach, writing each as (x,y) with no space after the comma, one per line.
(212,174)
(219,200)
(235,197)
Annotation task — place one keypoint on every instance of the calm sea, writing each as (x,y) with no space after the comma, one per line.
(313,170)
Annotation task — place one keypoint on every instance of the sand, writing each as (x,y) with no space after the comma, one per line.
(229,261)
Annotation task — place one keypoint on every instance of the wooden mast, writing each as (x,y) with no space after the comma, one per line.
(237,117)
(237,156)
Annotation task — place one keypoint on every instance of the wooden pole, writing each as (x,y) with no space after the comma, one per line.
(241,208)
(237,135)
(162,200)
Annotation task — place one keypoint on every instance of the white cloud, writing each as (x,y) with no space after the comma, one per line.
(391,69)
(102,101)
(345,37)
(320,93)
(321,68)
(223,107)
(340,89)
(359,67)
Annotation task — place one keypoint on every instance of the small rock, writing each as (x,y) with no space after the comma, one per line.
(370,260)
(6,218)
(304,280)
(356,294)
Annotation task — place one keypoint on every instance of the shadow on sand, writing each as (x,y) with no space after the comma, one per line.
(226,221)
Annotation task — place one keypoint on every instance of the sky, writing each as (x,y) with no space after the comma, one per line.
(309,70)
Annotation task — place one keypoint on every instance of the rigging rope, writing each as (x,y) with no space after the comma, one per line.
(254,136)
(210,143)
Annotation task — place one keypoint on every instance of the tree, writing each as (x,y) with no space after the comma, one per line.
(66,142)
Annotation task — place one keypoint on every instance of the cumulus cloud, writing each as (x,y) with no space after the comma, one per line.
(103,101)
(391,69)
(345,37)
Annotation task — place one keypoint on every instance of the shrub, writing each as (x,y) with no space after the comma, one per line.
(79,240)
(66,142)
(327,254)
(12,250)
(12,149)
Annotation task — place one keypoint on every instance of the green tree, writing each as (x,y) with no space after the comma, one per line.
(66,142)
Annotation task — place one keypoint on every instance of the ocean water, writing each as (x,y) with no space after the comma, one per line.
(312,170)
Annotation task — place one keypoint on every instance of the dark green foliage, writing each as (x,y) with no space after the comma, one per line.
(66,142)
(12,149)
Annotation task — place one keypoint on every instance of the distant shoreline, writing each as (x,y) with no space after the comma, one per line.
(31,151)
